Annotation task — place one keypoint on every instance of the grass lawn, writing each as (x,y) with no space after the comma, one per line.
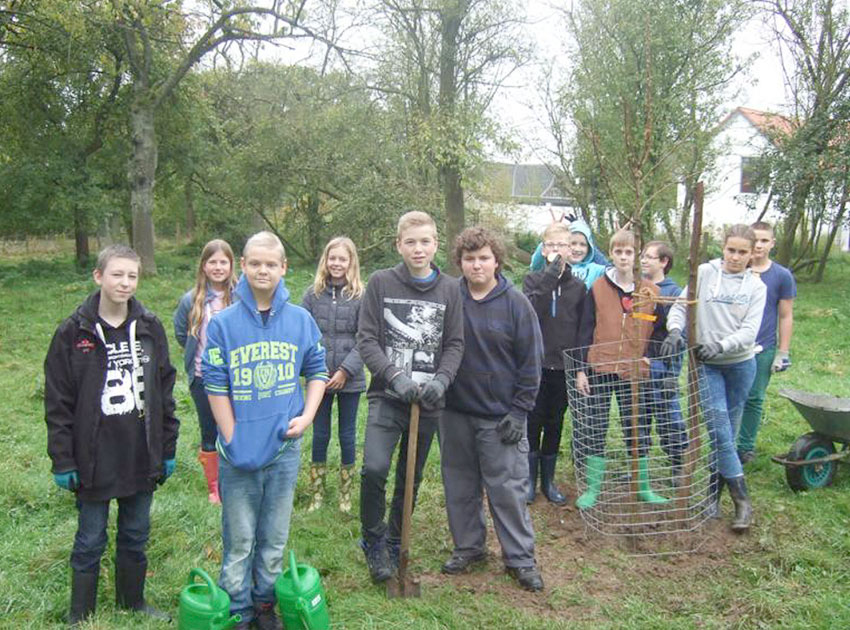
(791,571)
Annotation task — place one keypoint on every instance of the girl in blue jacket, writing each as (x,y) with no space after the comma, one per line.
(213,291)
(334,302)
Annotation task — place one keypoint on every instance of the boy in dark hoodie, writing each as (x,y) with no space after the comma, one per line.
(111,429)
(615,330)
(482,430)
(558,299)
(410,336)
(660,396)
(257,350)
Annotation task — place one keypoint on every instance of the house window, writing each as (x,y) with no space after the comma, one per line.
(750,175)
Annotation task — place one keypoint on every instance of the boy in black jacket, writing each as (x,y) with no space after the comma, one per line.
(410,336)
(558,299)
(111,429)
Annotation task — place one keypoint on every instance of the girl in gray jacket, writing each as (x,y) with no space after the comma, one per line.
(334,302)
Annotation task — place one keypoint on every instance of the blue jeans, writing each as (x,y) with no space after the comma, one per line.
(134,526)
(206,421)
(724,389)
(347,402)
(255,510)
(663,405)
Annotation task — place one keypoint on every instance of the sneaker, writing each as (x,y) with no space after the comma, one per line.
(377,559)
(746,456)
(459,563)
(528,577)
(265,618)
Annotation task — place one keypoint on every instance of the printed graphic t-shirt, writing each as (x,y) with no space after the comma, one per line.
(121,466)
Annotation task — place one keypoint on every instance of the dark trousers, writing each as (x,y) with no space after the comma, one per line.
(590,434)
(134,525)
(387,424)
(206,421)
(546,421)
(347,404)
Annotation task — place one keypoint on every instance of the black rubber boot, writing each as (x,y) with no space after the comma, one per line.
(533,472)
(547,480)
(743,508)
(130,588)
(83,596)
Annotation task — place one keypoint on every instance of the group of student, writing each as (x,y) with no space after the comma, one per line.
(483,360)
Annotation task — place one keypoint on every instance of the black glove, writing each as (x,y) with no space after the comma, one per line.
(707,351)
(511,428)
(672,345)
(433,391)
(405,388)
(554,268)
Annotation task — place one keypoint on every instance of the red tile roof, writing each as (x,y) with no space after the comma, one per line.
(773,126)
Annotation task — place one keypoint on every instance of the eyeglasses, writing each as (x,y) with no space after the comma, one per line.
(556,245)
(647,256)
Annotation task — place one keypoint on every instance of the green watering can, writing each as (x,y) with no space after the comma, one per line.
(204,606)
(301,598)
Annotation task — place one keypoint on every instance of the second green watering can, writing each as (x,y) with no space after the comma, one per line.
(203,605)
(301,598)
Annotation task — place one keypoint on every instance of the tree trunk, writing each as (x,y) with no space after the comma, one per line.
(141,174)
(836,228)
(189,196)
(81,238)
(798,207)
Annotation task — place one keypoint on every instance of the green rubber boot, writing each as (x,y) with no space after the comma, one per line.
(595,473)
(644,490)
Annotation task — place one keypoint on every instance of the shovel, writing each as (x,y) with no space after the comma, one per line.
(402,585)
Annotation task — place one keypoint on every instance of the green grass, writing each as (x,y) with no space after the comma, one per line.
(791,571)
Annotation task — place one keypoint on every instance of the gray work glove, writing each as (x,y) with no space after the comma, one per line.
(672,345)
(708,351)
(405,388)
(781,362)
(433,391)
(554,268)
(511,428)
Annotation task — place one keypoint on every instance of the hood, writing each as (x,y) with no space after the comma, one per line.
(728,283)
(611,275)
(247,300)
(583,228)
(403,274)
(502,285)
(666,283)
(86,313)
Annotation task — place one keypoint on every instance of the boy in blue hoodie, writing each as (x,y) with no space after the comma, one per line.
(587,262)
(257,349)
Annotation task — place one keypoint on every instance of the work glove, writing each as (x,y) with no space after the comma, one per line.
(511,428)
(554,268)
(707,351)
(67,480)
(672,345)
(433,391)
(167,470)
(781,362)
(405,388)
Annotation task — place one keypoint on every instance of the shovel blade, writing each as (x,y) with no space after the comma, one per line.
(403,587)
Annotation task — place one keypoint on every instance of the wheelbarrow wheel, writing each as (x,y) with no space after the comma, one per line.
(810,446)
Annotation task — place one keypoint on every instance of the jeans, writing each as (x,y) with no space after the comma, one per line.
(663,405)
(754,407)
(134,526)
(255,510)
(723,390)
(389,421)
(206,421)
(546,420)
(347,402)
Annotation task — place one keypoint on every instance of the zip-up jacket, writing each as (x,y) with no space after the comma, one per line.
(729,310)
(410,326)
(75,371)
(666,288)
(188,342)
(558,302)
(337,316)
(503,351)
(259,365)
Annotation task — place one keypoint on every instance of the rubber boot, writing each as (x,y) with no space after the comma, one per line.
(533,470)
(346,475)
(595,473)
(209,462)
(83,596)
(743,508)
(318,474)
(547,480)
(645,492)
(130,587)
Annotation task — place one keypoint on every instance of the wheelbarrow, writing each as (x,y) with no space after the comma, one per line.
(813,460)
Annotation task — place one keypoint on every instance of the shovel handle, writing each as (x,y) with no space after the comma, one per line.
(407,511)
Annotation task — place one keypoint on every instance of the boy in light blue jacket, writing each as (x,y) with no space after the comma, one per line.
(257,350)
